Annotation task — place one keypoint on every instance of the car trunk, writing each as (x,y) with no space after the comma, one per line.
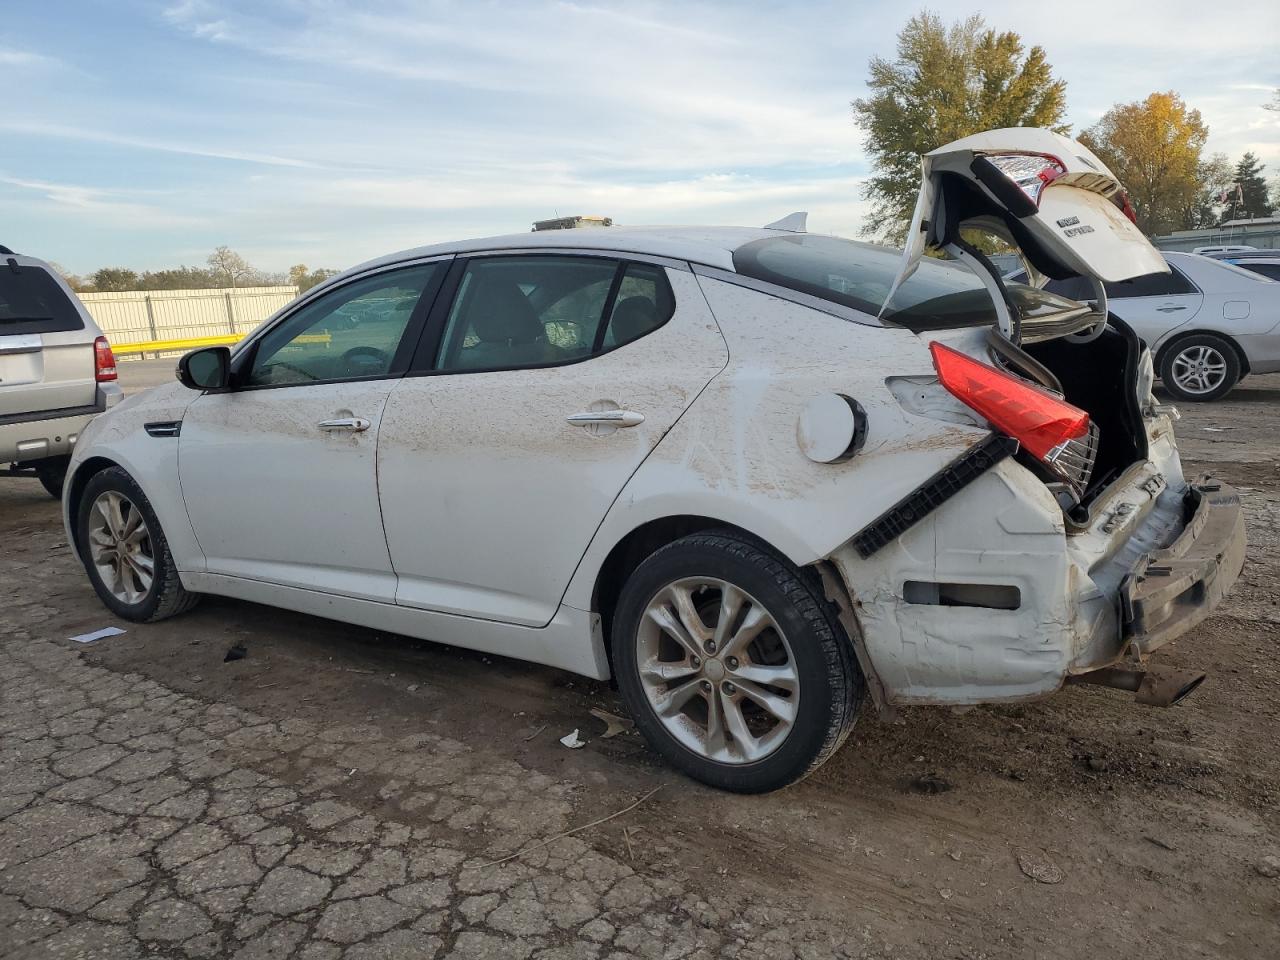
(1068,216)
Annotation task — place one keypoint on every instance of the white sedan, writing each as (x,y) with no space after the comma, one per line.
(1208,323)
(711,463)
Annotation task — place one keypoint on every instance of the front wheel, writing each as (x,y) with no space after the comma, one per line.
(1199,368)
(125,552)
(52,474)
(732,664)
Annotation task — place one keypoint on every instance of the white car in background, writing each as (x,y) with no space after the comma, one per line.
(1208,323)
(756,475)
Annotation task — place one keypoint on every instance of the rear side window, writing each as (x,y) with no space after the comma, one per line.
(937,296)
(1172,284)
(1271,270)
(541,310)
(31,301)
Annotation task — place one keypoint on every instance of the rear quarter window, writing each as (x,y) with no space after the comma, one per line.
(32,301)
(939,295)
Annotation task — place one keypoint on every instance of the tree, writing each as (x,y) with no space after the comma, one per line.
(1154,147)
(1253,201)
(179,278)
(229,266)
(946,82)
(110,279)
(1217,178)
(304,279)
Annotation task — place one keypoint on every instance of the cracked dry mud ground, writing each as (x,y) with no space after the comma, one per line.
(338,793)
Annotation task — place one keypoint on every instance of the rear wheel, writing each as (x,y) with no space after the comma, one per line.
(732,664)
(1199,368)
(125,552)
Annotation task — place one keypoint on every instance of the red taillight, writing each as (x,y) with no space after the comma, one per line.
(1032,172)
(104,361)
(1038,420)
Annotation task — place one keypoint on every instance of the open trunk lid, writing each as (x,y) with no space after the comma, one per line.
(1048,195)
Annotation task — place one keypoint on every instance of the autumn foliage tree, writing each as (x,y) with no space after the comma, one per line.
(946,82)
(1154,147)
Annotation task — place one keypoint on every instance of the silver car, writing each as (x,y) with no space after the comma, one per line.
(56,370)
(1208,323)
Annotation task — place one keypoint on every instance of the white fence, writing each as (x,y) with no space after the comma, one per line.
(136,316)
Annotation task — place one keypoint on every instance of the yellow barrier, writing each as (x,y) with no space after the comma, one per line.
(192,343)
(163,346)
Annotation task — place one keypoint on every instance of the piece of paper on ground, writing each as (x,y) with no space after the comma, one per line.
(97,635)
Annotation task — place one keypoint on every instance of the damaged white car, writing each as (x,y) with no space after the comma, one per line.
(755,475)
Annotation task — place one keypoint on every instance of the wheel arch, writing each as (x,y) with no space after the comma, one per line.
(84,472)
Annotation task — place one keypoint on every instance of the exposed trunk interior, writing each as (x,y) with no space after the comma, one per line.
(1100,377)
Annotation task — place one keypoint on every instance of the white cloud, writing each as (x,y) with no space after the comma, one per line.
(96,203)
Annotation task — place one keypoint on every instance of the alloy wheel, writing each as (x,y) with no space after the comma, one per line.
(1199,369)
(717,670)
(120,547)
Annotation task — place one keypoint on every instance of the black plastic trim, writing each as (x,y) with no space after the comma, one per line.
(933,493)
(37,415)
(163,428)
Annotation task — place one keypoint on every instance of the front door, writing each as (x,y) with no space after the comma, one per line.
(279,473)
(553,379)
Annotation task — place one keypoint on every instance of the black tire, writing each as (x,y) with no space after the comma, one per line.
(831,686)
(51,475)
(166,596)
(1219,346)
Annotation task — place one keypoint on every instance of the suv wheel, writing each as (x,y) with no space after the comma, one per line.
(1202,367)
(51,475)
(732,665)
(125,551)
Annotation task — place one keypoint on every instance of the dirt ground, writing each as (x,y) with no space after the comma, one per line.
(1157,824)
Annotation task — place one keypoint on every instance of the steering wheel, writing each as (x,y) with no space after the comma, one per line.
(366,356)
(289,366)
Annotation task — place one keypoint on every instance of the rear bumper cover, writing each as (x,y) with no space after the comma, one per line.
(1171,590)
(51,433)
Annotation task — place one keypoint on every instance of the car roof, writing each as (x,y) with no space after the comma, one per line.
(712,246)
(1244,255)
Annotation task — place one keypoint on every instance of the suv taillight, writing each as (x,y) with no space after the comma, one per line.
(104,361)
(1053,431)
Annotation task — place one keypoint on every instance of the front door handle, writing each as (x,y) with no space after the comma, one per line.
(1170,309)
(612,418)
(348,424)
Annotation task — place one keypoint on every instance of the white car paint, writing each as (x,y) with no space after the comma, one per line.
(472,511)
(266,509)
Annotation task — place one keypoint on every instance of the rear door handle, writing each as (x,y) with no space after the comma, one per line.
(614,418)
(348,424)
(1169,309)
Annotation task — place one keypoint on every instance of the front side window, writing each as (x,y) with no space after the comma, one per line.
(350,333)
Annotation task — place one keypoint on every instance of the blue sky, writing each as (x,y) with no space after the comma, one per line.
(328,131)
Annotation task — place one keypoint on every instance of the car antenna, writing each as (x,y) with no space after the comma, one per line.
(792,222)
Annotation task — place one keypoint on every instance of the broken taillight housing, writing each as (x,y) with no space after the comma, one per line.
(1053,431)
(1032,172)
(104,361)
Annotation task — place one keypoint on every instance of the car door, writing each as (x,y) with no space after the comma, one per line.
(279,472)
(1155,305)
(544,382)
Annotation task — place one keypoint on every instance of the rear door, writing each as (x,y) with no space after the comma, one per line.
(541,387)
(46,354)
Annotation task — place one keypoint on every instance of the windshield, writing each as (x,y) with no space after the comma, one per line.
(31,301)
(939,295)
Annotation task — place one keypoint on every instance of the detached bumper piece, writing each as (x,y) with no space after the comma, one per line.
(1171,590)
(933,493)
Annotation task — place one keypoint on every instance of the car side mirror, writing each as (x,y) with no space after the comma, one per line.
(206,369)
